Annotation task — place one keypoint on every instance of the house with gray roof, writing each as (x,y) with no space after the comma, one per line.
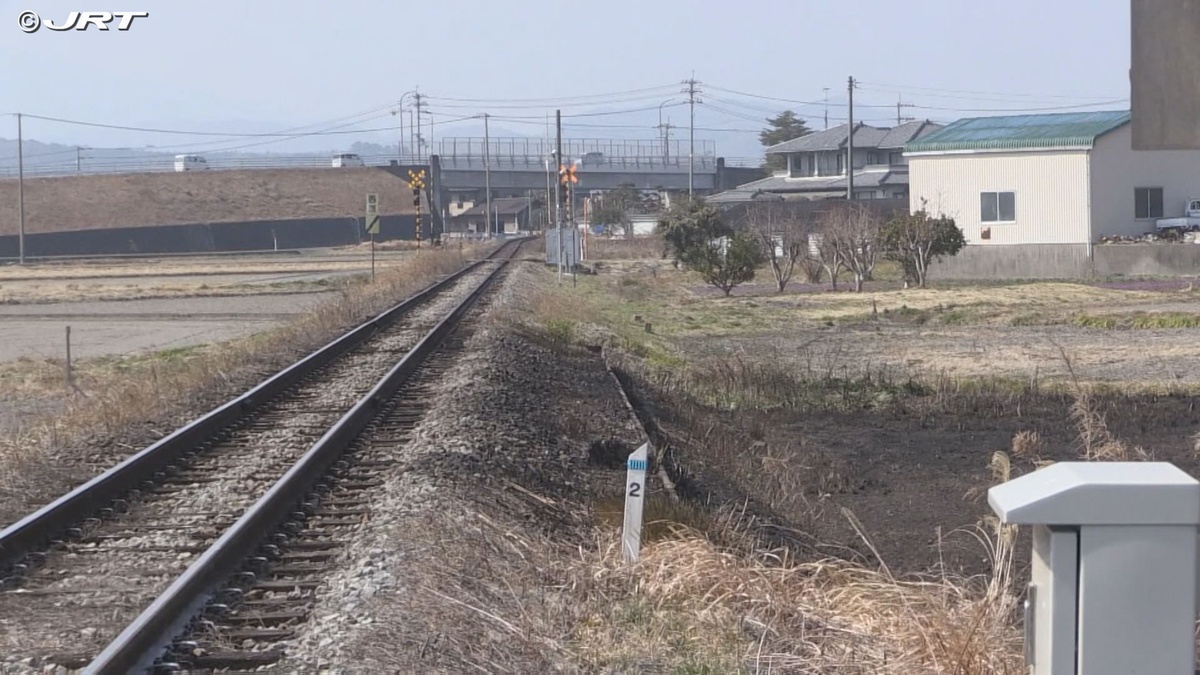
(1033,194)
(816,165)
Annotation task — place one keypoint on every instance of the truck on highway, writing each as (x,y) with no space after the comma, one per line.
(1190,222)
(190,163)
(346,159)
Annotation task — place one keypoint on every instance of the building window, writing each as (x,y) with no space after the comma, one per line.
(1147,203)
(841,163)
(998,207)
(872,158)
(896,158)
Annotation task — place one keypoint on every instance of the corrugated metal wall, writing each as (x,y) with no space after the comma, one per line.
(1051,194)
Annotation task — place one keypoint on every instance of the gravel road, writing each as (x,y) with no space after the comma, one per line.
(129,326)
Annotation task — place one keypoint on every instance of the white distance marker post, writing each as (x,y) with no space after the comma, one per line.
(635,498)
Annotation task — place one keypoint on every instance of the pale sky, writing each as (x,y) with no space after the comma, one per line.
(266,65)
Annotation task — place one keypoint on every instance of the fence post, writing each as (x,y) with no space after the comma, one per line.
(70,375)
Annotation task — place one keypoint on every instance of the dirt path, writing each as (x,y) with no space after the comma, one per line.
(128,326)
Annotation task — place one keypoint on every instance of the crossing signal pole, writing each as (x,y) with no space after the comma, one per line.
(416,181)
(570,180)
(558,192)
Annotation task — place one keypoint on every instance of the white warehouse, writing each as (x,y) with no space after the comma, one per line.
(1034,193)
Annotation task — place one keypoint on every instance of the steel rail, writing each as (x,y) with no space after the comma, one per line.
(145,639)
(35,529)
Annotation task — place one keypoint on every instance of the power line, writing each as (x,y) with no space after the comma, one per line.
(526,106)
(960,97)
(942,108)
(1023,110)
(907,88)
(776,98)
(180,132)
(521,120)
(743,116)
(554,101)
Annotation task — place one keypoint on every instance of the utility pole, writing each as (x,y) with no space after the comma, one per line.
(487,174)
(826,90)
(691,91)
(667,126)
(558,187)
(417,105)
(78,159)
(20,193)
(899,105)
(850,145)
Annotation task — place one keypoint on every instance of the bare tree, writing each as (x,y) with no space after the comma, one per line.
(851,233)
(829,252)
(783,234)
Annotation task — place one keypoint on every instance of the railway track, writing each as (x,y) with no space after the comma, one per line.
(204,550)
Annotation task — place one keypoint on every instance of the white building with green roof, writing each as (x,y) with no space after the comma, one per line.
(1041,190)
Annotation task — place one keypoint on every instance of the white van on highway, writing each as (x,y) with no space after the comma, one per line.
(347,159)
(190,163)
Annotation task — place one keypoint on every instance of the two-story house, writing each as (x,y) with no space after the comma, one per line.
(816,165)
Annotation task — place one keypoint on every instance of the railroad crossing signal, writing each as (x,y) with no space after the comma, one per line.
(416,181)
(567,173)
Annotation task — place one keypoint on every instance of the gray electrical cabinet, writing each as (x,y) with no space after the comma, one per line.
(1113,586)
(571,246)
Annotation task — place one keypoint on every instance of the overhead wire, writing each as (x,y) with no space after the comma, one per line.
(561,99)
(908,88)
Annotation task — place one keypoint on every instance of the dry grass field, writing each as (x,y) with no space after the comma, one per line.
(834,450)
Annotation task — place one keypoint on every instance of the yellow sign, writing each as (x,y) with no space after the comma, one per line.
(373,224)
(416,179)
(567,173)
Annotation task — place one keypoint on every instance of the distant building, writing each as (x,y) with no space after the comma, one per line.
(1033,193)
(816,165)
(510,214)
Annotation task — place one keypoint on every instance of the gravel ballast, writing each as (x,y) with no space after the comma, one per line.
(499,461)
(86,591)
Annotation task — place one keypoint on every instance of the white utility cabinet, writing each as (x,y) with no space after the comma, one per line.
(1113,585)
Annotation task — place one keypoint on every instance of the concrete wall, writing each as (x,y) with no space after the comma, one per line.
(1069,261)
(1117,169)
(1165,74)
(262,235)
(98,201)
(1051,193)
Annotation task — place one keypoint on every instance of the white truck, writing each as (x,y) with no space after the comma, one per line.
(346,159)
(1190,222)
(190,163)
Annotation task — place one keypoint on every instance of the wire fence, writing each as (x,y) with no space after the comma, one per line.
(166,163)
(454,153)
